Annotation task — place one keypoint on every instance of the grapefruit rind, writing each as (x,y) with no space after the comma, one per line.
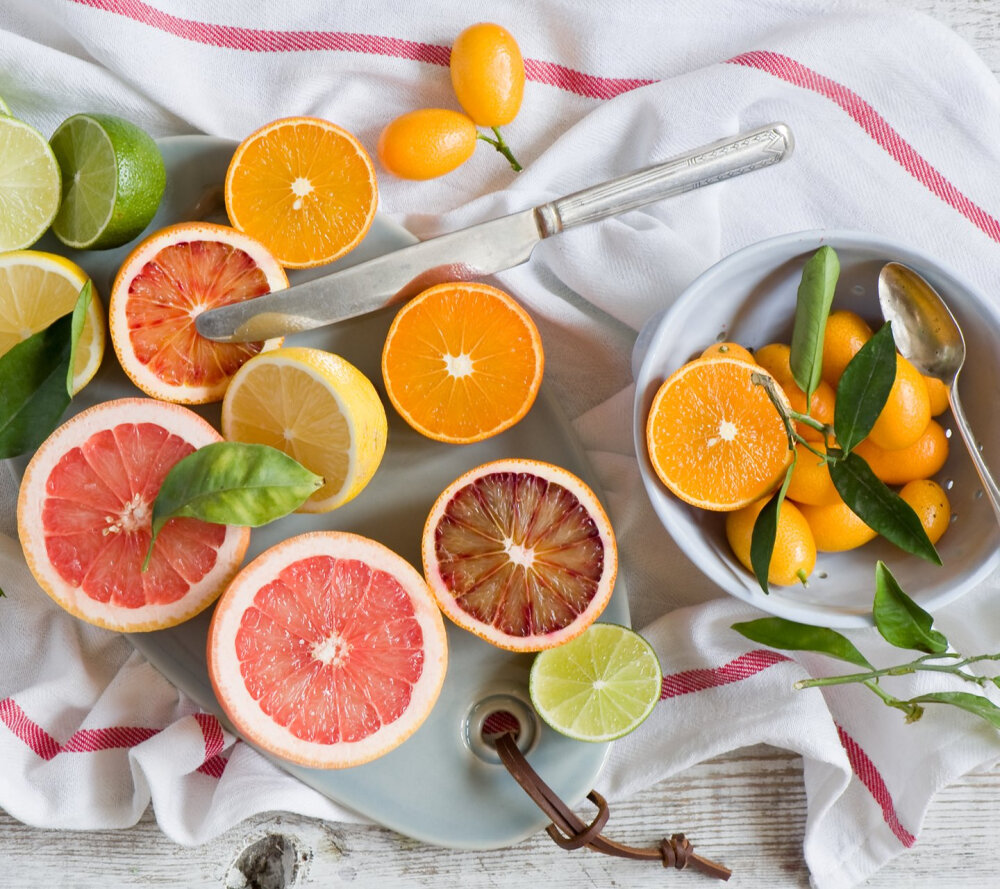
(134,263)
(242,709)
(535,642)
(31,501)
(675,485)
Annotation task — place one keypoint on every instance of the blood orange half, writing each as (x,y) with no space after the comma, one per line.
(327,650)
(163,285)
(521,553)
(84,516)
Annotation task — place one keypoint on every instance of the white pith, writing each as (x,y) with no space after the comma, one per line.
(31,500)
(245,712)
(520,555)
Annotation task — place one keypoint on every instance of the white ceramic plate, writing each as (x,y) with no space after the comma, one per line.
(442,785)
(749,297)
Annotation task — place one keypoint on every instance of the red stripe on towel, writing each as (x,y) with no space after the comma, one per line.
(877,127)
(870,776)
(117,737)
(590,86)
(743,667)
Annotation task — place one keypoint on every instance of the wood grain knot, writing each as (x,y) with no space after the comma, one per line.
(272,862)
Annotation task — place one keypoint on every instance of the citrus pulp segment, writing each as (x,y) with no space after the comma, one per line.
(112,181)
(30,184)
(521,553)
(462,362)
(36,289)
(84,518)
(327,650)
(318,409)
(163,285)
(599,686)
(714,437)
(305,188)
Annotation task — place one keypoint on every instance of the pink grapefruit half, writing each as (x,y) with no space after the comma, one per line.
(327,650)
(521,553)
(163,285)
(84,514)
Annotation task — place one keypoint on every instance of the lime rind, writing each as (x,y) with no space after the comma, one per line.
(597,687)
(30,184)
(4,108)
(113,181)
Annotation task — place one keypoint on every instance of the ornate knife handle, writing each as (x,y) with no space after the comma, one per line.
(703,166)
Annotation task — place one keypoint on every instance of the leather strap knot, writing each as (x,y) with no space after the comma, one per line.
(676,851)
(570,832)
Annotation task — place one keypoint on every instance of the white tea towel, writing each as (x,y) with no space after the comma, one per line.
(897,125)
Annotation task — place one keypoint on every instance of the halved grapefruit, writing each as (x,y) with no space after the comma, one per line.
(163,285)
(327,650)
(84,515)
(521,553)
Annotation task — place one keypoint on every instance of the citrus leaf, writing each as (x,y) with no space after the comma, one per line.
(232,483)
(864,388)
(792,636)
(79,320)
(812,307)
(33,392)
(975,704)
(765,530)
(900,620)
(881,508)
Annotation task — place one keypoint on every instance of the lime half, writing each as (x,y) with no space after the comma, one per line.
(113,178)
(29,184)
(598,686)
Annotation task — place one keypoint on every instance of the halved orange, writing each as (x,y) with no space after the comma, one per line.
(305,188)
(714,437)
(163,285)
(462,362)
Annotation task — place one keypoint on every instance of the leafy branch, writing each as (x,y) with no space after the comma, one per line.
(903,624)
(862,392)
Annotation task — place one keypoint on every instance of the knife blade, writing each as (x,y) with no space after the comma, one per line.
(486,248)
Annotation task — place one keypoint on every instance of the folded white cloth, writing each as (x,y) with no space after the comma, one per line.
(898,127)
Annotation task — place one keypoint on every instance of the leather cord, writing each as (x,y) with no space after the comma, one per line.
(570,832)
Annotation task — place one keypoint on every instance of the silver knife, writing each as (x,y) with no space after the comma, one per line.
(485,248)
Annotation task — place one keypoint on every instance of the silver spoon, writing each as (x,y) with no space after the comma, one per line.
(927,334)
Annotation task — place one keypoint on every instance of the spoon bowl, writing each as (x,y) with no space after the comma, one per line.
(928,336)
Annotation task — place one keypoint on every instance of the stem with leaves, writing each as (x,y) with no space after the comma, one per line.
(862,392)
(903,624)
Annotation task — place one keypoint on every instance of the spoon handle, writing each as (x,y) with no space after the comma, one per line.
(989,483)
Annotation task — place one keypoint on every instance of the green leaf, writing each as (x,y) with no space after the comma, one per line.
(33,392)
(864,388)
(79,319)
(900,620)
(765,531)
(881,508)
(791,636)
(232,483)
(975,704)
(812,307)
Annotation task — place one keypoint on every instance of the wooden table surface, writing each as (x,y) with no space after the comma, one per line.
(746,809)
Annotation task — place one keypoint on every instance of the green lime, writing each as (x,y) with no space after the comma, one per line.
(4,108)
(598,686)
(113,178)
(29,184)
